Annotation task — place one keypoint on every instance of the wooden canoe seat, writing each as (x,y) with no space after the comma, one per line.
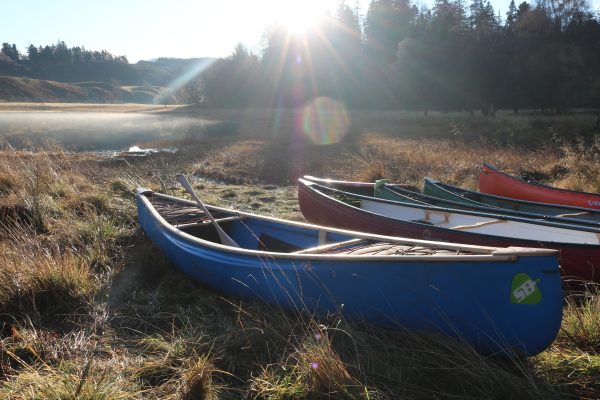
(364,247)
(330,247)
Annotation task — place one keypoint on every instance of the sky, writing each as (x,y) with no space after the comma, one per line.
(147,29)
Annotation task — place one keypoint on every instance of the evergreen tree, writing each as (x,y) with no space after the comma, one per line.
(387,24)
(10,51)
(511,15)
(32,54)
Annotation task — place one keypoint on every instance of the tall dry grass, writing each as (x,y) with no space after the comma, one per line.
(90,309)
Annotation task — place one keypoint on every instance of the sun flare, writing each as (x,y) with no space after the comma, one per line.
(299,22)
(300,17)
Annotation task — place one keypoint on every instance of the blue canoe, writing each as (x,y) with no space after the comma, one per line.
(498,300)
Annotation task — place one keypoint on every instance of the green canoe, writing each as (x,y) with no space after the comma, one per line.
(471,198)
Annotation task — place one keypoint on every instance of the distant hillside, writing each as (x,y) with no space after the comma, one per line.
(100,82)
(159,72)
(163,71)
(37,90)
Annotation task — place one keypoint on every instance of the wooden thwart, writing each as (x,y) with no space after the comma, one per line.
(579,214)
(479,224)
(388,249)
(329,247)
(359,247)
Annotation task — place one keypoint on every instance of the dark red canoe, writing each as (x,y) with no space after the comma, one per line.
(492,181)
(327,206)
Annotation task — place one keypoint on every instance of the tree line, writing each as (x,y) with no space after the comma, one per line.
(453,56)
(63,63)
(77,64)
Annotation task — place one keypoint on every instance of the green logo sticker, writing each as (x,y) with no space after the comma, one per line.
(524,290)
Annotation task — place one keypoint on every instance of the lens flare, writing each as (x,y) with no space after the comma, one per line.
(196,69)
(325,121)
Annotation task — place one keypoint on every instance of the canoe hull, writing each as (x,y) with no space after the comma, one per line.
(413,295)
(495,182)
(578,261)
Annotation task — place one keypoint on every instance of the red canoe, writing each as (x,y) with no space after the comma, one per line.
(578,261)
(492,181)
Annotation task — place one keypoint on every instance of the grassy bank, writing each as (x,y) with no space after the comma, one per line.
(89,309)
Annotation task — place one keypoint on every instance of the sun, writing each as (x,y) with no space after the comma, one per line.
(299,21)
(299,17)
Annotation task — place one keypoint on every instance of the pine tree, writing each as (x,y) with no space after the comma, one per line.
(10,51)
(511,15)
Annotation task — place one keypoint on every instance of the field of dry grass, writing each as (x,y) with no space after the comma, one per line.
(90,309)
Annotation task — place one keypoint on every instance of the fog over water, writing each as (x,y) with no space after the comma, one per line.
(96,131)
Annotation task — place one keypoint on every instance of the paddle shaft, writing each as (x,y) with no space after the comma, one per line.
(225,239)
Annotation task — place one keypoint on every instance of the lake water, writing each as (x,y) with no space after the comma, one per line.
(97,131)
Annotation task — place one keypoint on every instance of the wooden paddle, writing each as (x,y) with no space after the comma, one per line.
(225,239)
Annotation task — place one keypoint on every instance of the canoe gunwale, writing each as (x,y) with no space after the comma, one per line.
(487,253)
(586,228)
(449,188)
(334,181)
(569,214)
(363,185)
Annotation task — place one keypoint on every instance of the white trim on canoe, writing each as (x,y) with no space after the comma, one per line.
(485,253)
(481,224)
